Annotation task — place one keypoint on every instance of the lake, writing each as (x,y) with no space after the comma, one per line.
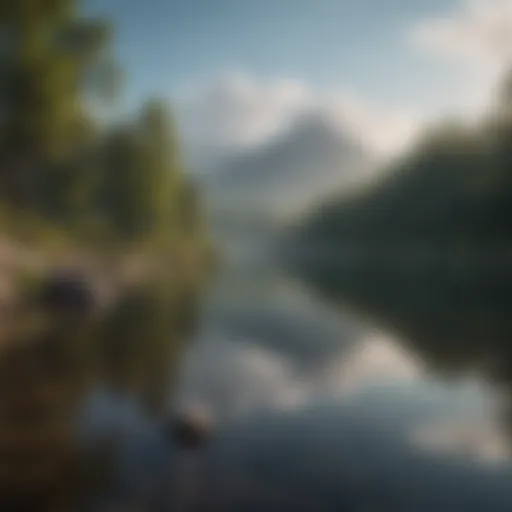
(350,385)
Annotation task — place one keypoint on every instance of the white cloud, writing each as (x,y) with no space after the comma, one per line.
(476,37)
(236,112)
(233,112)
(383,129)
(477,31)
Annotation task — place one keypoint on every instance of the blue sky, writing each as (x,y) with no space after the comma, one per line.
(166,45)
(420,56)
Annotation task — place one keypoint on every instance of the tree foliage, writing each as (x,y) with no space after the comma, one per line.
(454,186)
(123,183)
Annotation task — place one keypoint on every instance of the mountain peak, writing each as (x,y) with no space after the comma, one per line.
(312,156)
(316,126)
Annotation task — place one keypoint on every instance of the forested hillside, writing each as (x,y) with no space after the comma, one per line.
(454,186)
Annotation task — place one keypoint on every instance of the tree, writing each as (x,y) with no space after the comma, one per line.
(55,162)
(48,58)
(163,168)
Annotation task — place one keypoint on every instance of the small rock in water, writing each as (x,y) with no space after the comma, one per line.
(191,428)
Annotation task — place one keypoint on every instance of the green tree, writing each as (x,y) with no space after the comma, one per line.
(49,58)
(143,191)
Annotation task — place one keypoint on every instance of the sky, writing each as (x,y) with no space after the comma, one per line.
(400,62)
(167,44)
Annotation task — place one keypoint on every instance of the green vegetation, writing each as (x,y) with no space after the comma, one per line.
(114,203)
(453,188)
(60,169)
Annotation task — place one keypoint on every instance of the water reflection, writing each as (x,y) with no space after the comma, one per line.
(380,402)
(62,353)
(451,310)
(341,408)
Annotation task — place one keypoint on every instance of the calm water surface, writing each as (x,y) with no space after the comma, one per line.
(357,387)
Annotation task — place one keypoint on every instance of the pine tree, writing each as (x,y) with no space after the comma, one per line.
(49,57)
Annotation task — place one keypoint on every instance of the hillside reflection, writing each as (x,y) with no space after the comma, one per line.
(450,309)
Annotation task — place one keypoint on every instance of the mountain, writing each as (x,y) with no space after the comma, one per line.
(310,159)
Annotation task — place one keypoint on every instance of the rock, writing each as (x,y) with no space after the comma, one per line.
(67,292)
(192,428)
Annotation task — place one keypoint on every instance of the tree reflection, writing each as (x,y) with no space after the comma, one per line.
(454,314)
(53,357)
